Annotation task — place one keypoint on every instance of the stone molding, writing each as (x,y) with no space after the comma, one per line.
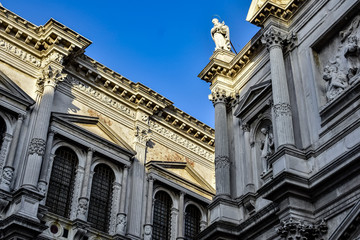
(37,146)
(296,229)
(222,162)
(165,132)
(282,109)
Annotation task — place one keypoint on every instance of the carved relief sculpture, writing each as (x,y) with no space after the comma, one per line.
(147,232)
(221,35)
(344,70)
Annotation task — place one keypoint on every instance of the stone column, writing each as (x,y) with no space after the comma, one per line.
(148,225)
(7,138)
(249,184)
(274,39)
(37,145)
(180,233)
(83,203)
(8,171)
(42,184)
(222,160)
(121,216)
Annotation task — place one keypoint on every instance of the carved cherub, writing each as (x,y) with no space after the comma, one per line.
(337,81)
(352,53)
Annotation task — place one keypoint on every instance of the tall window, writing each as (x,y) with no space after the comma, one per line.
(62,181)
(2,130)
(192,221)
(162,216)
(101,197)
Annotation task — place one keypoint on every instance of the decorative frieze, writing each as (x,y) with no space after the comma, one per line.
(222,162)
(100,96)
(282,109)
(37,145)
(15,51)
(180,140)
(296,229)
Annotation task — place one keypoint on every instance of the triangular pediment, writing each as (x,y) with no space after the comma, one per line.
(253,96)
(349,228)
(96,127)
(183,174)
(14,93)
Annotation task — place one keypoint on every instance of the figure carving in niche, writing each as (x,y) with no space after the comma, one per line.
(221,35)
(267,147)
(352,53)
(337,80)
(345,70)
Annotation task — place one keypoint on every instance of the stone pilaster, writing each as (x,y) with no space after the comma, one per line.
(180,233)
(222,160)
(36,151)
(249,181)
(83,202)
(148,226)
(121,216)
(274,39)
(42,184)
(135,215)
(8,171)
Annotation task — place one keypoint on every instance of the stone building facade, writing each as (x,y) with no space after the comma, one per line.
(287,125)
(88,154)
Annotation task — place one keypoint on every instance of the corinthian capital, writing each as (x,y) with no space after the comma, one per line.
(219,95)
(51,77)
(274,37)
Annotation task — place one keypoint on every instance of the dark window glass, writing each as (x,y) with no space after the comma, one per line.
(2,131)
(162,216)
(192,221)
(101,197)
(62,181)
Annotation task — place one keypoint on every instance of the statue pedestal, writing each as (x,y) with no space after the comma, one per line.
(223,55)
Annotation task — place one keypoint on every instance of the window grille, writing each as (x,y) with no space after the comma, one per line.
(62,181)
(101,197)
(162,216)
(192,222)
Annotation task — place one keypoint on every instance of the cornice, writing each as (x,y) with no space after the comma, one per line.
(270,8)
(230,70)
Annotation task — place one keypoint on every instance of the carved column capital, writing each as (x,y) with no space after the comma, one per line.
(222,162)
(50,77)
(219,96)
(274,37)
(296,229)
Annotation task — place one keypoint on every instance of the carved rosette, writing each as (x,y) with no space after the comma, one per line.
(37,146)
(222,162)
(295,229)
(245,127)
(282,109)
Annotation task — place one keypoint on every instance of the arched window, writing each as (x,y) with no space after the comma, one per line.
(2,131)
(192,221)
(162,216)
(62,181)
(101,197)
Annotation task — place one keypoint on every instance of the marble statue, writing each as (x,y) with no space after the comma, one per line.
(221,35)
(267,147)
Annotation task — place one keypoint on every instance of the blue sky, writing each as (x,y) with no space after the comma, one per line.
(162,44)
